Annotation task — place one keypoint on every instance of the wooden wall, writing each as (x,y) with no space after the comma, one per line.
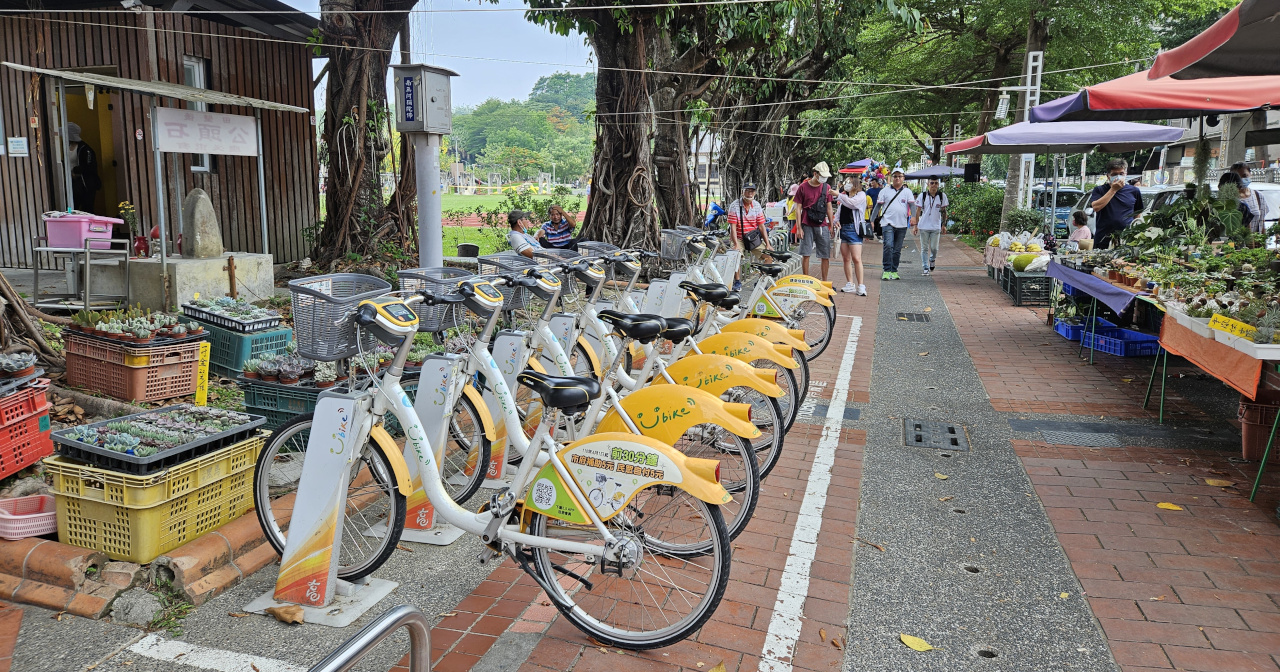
(269,70)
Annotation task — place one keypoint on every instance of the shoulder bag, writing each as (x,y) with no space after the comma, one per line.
(751,239)
(876,222)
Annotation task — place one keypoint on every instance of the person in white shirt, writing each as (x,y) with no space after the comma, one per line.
(522,243)
(893,207)
(851,212)
(931,215)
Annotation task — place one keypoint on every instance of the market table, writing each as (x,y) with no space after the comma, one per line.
(1115,297)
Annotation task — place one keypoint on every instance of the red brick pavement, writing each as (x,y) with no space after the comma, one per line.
(734,636)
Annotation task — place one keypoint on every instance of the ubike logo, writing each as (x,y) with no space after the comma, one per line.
(664,416)
(341,435)
(704,379)
(422,517)
(441,390)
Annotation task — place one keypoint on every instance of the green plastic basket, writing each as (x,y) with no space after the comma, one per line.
(229,350)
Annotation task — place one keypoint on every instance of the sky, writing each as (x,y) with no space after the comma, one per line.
(462,40)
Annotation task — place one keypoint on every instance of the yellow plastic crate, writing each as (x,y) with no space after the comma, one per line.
(103,485)
(141,535)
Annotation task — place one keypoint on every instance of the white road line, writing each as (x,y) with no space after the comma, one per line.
(784,626)
(172,651)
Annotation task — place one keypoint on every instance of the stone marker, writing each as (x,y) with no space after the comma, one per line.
(135,607)
(201,234)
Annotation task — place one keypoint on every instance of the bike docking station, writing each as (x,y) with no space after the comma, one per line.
(440,378)
(309,568)
(509,351)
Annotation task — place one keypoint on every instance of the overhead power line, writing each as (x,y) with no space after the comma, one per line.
(452,10)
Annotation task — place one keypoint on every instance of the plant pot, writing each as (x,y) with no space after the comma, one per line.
(289,381)
(1113,275)
(468,250)
(251,375)
(142,341)
(340,379)
(140,246)
(98,332)
(196,331)
(19,374)
(270,379)
(321,384)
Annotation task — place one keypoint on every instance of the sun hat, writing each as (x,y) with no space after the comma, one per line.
(791,191)
(822,170)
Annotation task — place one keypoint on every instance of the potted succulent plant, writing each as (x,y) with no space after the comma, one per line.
(194,328)
(269,370)
(290,372)
(142,334)
(17,365)
(326,374)
(250,369)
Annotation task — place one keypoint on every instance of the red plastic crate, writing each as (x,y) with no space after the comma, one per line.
(25,442)
(129,383)
(23,403)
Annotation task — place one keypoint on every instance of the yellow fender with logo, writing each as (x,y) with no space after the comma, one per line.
(664,415)
(786,297)
(395,455)
(716,373)
(770,330)
(610,468)
(748,348)
(822,287)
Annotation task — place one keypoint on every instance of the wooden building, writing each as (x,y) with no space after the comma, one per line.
(254,54)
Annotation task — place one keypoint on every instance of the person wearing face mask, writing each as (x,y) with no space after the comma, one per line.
(1252,200)
(1114,203)
(893,210)
(816,218)
(85,182)
(852,215)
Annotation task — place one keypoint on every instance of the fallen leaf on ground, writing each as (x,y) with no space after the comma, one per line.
(255,667)
(718,668)
(1168,507)
(58,616)
(928,310)
(290,613)
(601,649)
(402,547)
(700,665)
(1218,482)
(903,319)
(915,643)
(946,499)
(878,547)
(1126,380)
(822,632)
(236,614)
(924,354)
(1064,595)
(452,613)
(835,641)
(1156,599)
(940,477)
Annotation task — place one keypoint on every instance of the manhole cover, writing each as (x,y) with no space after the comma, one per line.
(1089,439)
(926,434)
(914,317)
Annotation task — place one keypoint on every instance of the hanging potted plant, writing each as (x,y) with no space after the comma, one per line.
(17,365)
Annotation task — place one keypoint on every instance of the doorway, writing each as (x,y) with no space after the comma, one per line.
(95,111)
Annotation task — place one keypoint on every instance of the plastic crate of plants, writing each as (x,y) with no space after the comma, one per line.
(1072,332)
(144,443)
(133,327)
(25,440)
(1030,289)
(234,314)
(140,534)
(17,366)
(25,403)
(278,403)
(1122,342)
(176,378)
(229,350)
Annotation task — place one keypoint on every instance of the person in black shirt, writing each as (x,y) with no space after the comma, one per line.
(1114,204)
(85,182)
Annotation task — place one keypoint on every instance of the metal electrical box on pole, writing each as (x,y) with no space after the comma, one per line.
(424,110)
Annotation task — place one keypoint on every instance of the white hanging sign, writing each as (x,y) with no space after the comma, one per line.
(193,132)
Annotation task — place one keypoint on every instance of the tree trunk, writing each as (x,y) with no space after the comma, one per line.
(675,194)
(354,123)
(992,98)
(620,210)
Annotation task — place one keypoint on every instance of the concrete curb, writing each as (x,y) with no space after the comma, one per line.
(107,408)
(10,621)
(55,576)
(209,565)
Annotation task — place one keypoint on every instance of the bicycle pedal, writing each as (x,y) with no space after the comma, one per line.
(486,555)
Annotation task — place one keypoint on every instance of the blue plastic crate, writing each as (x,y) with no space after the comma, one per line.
(1072,332)
(277,403)
(229,350)
(1122,343)
(1068,290)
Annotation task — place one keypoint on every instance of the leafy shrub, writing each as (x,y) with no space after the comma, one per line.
(975,208)
(494,220)
(1025,219)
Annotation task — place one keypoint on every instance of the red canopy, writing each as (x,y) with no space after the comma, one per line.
(1135,97)
(1240,44)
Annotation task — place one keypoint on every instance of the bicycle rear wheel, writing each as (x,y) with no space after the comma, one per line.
(466,452)
(739,470)
(375,510)
(789,402)
(665,594)
(767,416)
(817,324)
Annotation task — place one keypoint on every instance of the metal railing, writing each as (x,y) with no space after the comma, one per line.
(352,650)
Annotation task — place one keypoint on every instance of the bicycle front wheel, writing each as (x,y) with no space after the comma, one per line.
(375,510)
(667,588)
(466,452)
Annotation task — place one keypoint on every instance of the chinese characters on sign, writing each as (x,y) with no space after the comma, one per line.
(191,132)
(1230,326)
(408,101)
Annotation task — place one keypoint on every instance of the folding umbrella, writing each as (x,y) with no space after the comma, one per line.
(1066,137)
(935,171)
(1240,44)
(1135,97)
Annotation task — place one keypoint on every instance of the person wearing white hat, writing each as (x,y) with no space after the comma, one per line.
(85,182)
(816,218)
(893,211)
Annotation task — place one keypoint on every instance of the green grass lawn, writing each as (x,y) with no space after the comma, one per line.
(464,202)
(489,240)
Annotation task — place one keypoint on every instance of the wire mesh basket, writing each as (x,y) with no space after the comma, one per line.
(436,281)
(673,245)
(321,301)
(570,288)
(690,230)
(591,247)
(513,298)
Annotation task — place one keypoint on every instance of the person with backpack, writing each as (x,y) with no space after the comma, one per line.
(931,215)
(852,215)
(816,218)
(893,215)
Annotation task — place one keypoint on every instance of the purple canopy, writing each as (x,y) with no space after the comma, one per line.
(1067,137)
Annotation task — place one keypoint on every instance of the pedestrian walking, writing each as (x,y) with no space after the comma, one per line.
(931,215)
(874,185)
(852,215)
(793,214)
(816,218)
(1114,203)
(893,213)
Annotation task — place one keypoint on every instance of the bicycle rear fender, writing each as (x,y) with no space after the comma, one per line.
(716,373)
(748,348)
(792,294)
(822,287)
(395,455)
(769,330)
(486,419)
(610,468)
(663,414)
(591,356)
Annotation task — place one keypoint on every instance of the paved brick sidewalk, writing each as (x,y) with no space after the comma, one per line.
(510,602)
